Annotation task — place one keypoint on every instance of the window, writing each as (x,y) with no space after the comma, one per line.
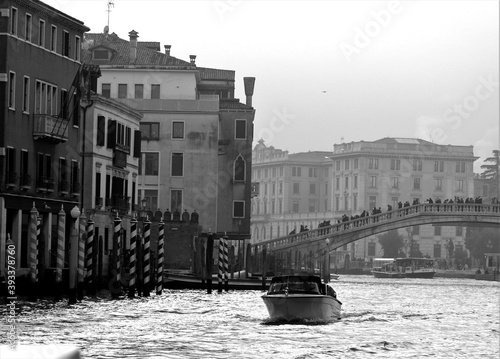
(280,188)
(45,98)
(25,178)
(177,164)
(417,165)
(437,251)
(274,172)
(296,171)
(53,38)
(41,33)
(346,203)
(63,174)
(281,171)
(416,183)
(26,94)
(394,201)
(346,182)
(337,203)
(238,209)
(355,165)
(439,184)
(150,131)
(101,125)
(373,181)
(460,185)
(312,206)
(106,90)
(139,91)
(373,163)
(273,188)
(296,188)
(295,207)
(239,169)
(395,164)
(312,188)
(10,165)
(337,183)
(355,202)
(313,172)
(99,54)
(459,231)
(65,49)
(151,197)
(395,182)
(337,165)
(460,167)
(77,48)
(176,200)
(371,249)
(441,166)
(178,130)
(346,164)
(155,91)
(28,30)
(151,161)
(13,22)
(64,104)
(355,186)
(122,90)
(437,230)
(75,179)
(240,132)
(12,90)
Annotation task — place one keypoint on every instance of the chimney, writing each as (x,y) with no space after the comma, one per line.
(192,58)
(133,35)
(167,49)
(249,85)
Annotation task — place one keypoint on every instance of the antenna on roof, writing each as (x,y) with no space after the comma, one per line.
(110,5)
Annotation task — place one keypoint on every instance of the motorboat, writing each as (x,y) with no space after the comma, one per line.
(298,298)
(416,267)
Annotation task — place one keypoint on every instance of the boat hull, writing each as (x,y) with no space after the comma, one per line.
(300,307)
(421,274)
(382,274)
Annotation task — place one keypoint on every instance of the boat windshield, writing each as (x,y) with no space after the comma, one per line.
(294,285)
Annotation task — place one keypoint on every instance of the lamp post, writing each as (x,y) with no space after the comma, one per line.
(73,255)
(327,269)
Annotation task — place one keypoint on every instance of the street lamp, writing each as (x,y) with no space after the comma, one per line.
(142,212)
(73,258)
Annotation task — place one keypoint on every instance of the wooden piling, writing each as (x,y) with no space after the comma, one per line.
(34,232)
(61,242)
(89,277)
(132,262)
(146,256)
(117,285)
(159,272)
(81,254)
(209,260)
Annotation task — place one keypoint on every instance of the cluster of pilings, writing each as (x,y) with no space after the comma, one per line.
(140,276)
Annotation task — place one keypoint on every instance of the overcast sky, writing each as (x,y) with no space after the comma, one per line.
(332,70)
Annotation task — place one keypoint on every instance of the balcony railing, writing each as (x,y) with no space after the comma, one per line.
(120,203)
(50,128)
(45,184)
(11,179)
(25,181)
(63,187)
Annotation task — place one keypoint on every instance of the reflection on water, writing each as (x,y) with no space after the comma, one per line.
(389,318)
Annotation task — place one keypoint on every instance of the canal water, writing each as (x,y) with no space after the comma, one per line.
(387,318)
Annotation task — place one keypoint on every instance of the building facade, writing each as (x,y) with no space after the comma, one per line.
(293,191)
(40,127)
(307,189)
(195,135)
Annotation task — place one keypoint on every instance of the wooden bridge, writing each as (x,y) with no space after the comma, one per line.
(327,239)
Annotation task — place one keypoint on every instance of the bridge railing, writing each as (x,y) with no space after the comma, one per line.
(396,214)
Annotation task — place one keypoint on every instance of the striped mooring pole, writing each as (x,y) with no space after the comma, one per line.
(133,261)
(61,243)
(159,266)
(34,237)
(117,285)
(221,265)
(226,265)
(89,276)
(146,254)
(82,221)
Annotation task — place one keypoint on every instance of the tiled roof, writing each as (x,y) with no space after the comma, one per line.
(153,45)
(312,156)
(207,73)
(233,104)
(121,57)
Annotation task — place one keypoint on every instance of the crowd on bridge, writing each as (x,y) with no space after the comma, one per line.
(467,204)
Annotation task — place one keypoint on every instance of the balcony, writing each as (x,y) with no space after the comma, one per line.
(11,180)
(50,128)
(63,187)
(25,182)
(45,184)
(75,189)
(120,203)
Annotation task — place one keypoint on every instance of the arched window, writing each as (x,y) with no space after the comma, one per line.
(239,168)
